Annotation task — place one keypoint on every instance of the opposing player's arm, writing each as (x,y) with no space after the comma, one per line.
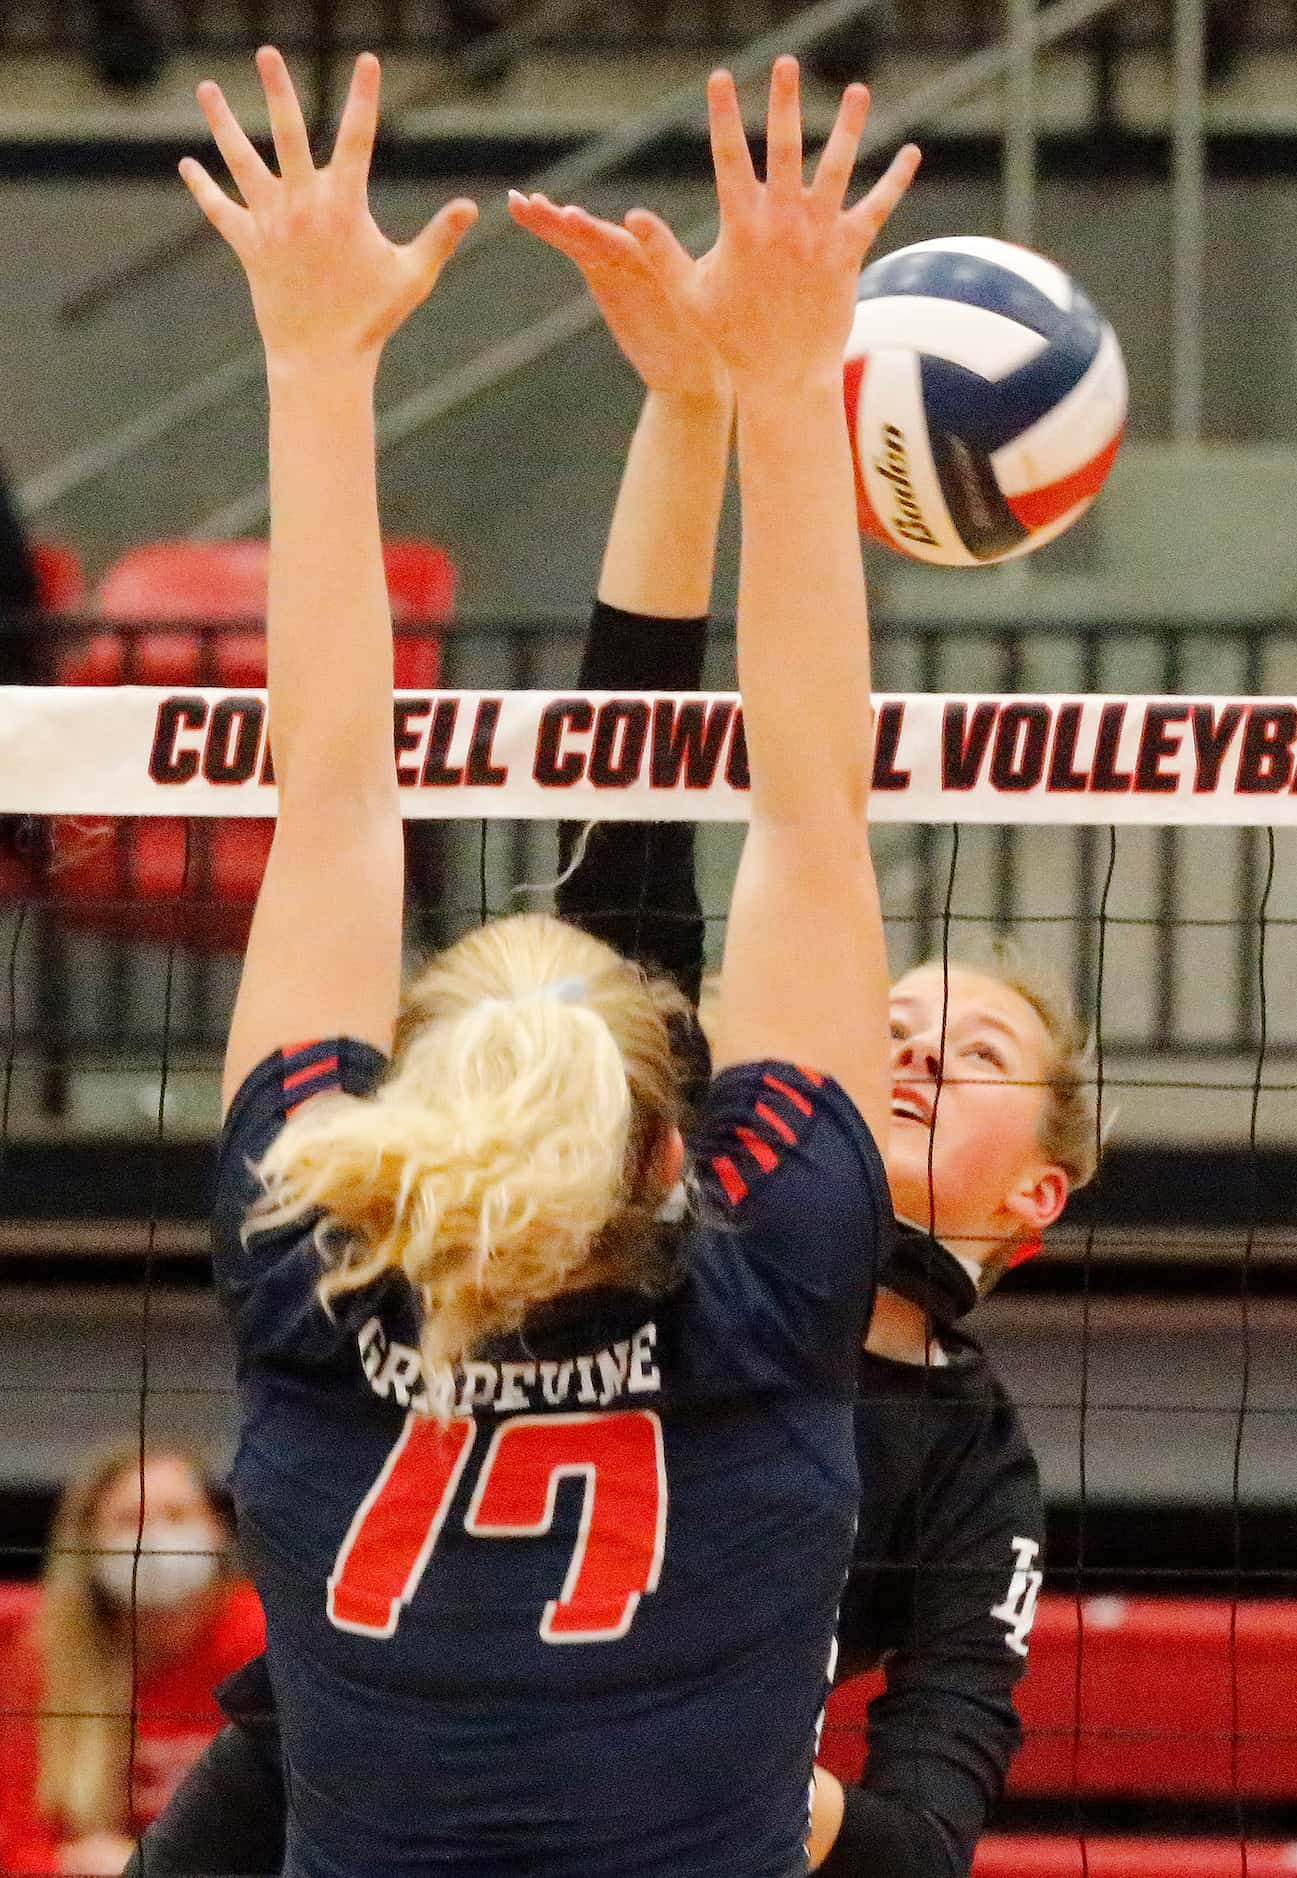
(227,1815)
(662,542)
(944,1731)
(805,974)
(634,884)
(631,883)
(661,551)
(328,289)
(856,1834)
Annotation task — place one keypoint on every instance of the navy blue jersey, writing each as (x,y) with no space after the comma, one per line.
(584,1625)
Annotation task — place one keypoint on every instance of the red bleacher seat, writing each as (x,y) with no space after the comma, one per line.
(18,1604)
(225,582)
(1157,1721)
(132,884)
(1157,1698)
(60,577)
(1156,1709)
(1007,1856)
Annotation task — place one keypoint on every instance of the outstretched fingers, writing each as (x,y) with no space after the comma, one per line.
(287,125)
(838,157)
(736,180)
(353,147)
(573,231)
(869,215)
(673,264)
(226,217)
(242,160)
(433,246)
(784,132)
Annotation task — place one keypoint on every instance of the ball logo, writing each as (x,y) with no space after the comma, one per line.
(894,465)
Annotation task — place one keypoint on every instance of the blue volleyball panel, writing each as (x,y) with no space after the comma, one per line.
(968,280)
(990,413)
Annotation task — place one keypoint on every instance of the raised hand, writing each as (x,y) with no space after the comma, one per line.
(670,351)
(325,280)
(775,294)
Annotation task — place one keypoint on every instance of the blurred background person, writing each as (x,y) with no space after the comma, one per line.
(127,43)
(112,1636)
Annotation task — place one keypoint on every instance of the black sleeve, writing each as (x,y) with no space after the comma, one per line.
(634,886)
(226,1817)
(944,1731)
(879,1835)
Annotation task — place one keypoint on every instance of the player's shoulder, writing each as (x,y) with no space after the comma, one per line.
(954,1434)
(761,1119)
(975,1380)
(289,1077)
(998,1474)
(790,1219)
(276,1089)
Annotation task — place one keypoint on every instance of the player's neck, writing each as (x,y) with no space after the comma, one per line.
(898,1330)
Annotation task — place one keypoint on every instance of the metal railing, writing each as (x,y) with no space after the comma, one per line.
(1035,31)
(928,27)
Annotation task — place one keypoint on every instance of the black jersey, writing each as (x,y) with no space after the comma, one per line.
(583,1622)
(944,1583)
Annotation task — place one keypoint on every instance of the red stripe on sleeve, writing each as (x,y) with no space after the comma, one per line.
(776,1122)
(761,1151)
(736,1188)
(295,1049)
(812,1076)
(327,1066)
(795,1096)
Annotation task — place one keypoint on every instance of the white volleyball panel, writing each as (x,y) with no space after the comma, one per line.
(1042,273)
(972,336)
(896,463)
(1078,429)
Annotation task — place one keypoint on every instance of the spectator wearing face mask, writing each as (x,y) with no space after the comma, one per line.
(111,1635)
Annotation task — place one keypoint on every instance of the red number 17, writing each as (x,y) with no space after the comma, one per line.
(618,1552)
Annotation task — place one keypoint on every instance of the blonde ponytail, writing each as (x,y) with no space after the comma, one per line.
(509,1154)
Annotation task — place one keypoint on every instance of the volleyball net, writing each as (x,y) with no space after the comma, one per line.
(1142,846)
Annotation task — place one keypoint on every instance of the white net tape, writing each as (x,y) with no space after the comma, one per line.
(533,755)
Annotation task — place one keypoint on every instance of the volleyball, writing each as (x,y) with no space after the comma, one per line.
(986,397)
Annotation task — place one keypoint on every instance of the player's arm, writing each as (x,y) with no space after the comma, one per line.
(328,289)
(634,883)
(228,1815)
(944,1731)
(805,972)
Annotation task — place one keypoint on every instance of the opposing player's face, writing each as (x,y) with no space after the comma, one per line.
(990,1179)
